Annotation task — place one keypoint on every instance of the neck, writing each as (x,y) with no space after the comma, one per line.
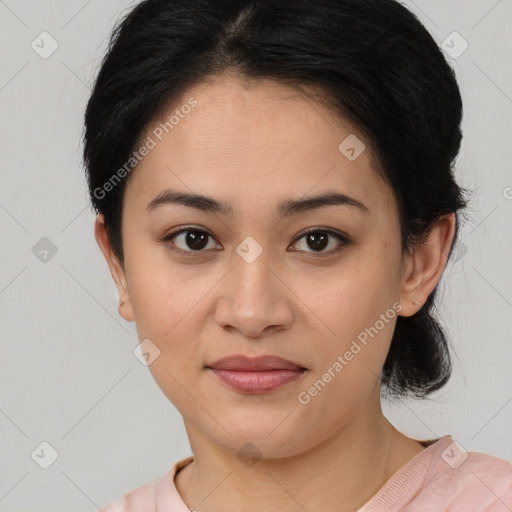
(340,474)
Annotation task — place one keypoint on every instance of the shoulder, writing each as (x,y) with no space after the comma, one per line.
(468,481)
(141,498)
(157,495)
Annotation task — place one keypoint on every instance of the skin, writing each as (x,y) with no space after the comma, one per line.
(254,143)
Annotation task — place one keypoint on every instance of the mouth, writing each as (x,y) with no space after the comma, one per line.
(256,375)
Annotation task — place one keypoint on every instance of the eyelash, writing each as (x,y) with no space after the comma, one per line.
(343,241)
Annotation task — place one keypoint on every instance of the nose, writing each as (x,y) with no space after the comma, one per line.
(255,299)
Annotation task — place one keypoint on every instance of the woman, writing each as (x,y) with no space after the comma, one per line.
(276,203)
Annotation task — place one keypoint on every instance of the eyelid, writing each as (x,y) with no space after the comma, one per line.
(343,239)
(166,240)
(340,235)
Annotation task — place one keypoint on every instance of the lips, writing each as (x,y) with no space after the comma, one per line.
(254,364)
(256,375)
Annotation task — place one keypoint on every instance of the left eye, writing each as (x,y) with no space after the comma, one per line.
(195,240)
(318,239)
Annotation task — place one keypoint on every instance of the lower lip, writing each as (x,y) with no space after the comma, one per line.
(257,381)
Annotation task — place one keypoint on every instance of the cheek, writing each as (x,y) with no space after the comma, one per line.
(355,312)
(160,292)
(352,296)
(170,305)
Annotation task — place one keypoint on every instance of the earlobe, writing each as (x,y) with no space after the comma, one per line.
(424,268)
(116,269)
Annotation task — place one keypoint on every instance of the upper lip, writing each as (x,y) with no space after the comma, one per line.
(240,362)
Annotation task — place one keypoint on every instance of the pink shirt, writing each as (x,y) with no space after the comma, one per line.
(442,478)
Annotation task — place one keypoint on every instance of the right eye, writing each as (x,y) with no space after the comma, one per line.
(193,240)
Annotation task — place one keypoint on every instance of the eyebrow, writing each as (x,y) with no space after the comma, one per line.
(285,208)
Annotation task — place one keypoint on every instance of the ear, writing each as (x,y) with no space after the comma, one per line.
(424,267)
(116,269)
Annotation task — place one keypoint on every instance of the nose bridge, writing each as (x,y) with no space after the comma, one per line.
(252,273)
(255,298)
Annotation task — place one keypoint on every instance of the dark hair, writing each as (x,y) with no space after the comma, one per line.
(374,64)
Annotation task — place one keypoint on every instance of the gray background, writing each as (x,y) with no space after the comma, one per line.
(68,375)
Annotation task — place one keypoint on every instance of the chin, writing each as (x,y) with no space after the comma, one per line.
(264,438)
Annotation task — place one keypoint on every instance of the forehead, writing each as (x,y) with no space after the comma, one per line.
(245,139)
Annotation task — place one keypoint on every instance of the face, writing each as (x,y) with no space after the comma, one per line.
(251,280)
